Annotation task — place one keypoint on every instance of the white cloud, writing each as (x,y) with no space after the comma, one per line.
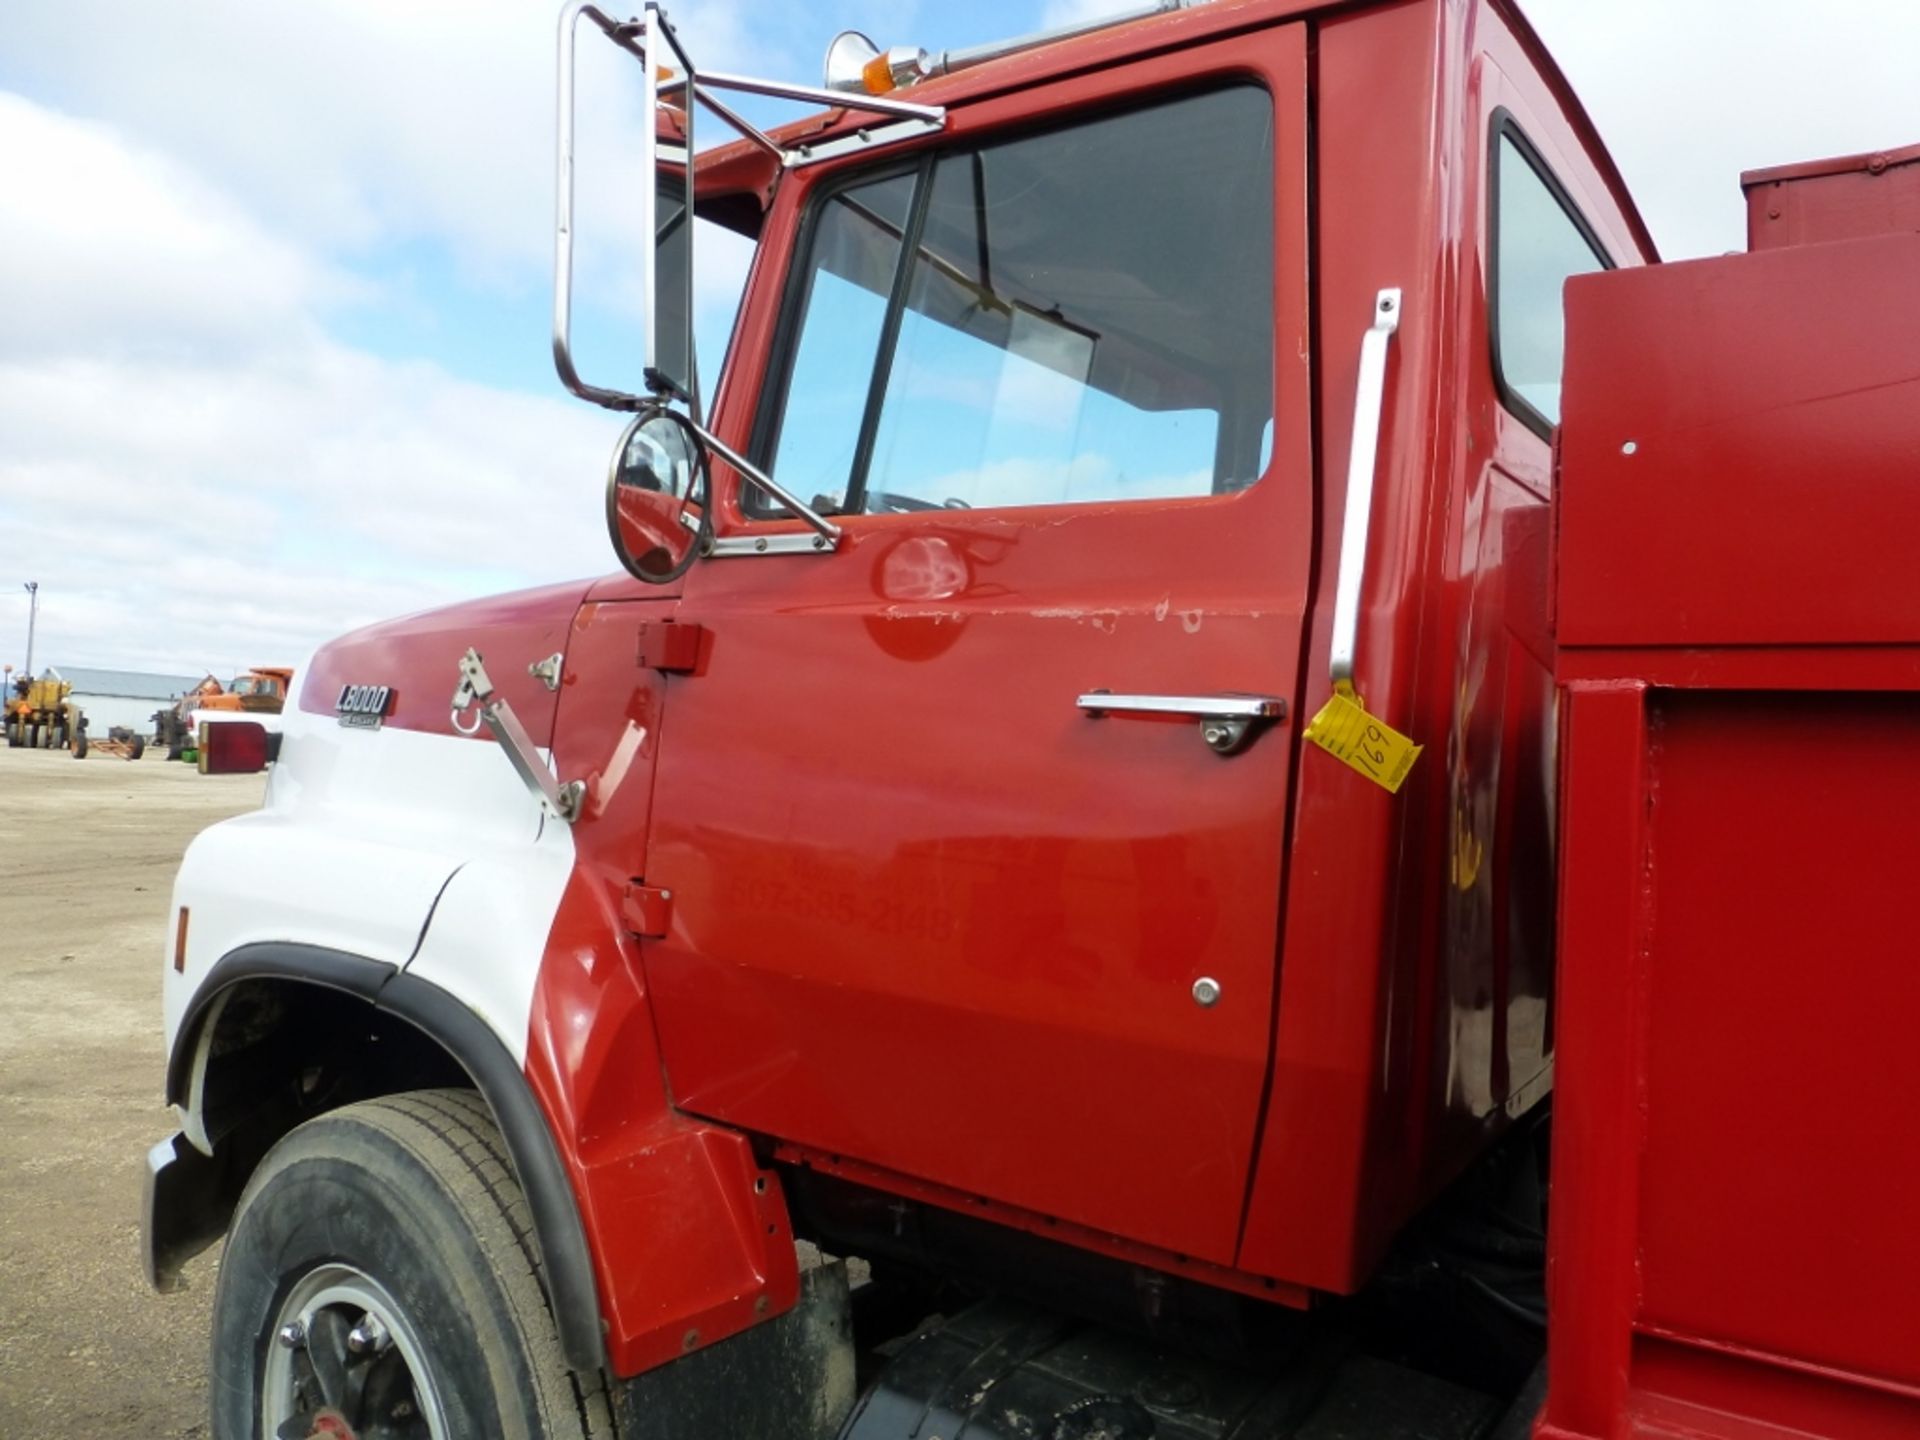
(201,510)
(1687,96)
(360,123)
(195,472)
(103,244)
(353,122)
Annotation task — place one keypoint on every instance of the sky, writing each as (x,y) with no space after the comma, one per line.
(275,278)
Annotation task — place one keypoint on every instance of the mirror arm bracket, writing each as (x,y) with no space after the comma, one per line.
(661,383)
(828,531)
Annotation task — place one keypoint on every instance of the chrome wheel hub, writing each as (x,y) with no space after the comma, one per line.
(346,1363)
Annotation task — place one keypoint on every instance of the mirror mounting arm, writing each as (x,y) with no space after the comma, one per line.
(662,383)
(828,531)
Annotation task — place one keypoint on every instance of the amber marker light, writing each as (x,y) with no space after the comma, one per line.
(180,943)
(877,75)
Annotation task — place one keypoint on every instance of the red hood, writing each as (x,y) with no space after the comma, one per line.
(417,658)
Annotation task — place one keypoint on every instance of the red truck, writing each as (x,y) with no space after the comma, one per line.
(1148,734)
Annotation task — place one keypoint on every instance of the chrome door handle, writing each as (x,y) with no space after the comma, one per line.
(1226,721)
(1369,401)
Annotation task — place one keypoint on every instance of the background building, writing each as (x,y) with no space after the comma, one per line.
(122,697)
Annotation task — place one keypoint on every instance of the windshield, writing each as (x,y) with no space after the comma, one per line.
(1084,315)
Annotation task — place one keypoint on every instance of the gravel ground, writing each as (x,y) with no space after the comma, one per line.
(87,1352)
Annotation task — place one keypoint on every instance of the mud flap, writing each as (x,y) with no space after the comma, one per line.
(183,1210)
(791,1378)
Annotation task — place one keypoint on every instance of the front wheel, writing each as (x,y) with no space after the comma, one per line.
(380,1280)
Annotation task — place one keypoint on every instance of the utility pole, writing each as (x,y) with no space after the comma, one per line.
(33,613)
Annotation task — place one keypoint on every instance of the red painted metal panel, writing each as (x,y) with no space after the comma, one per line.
(929,915)
(1685,1390)
(1732,1248)
(1779,1076)
(1744,430)
(1324,1185)
(1733,1199)
(1416,1013)
(1845,199)
(689,1236)
(418,656)
(1591,1273)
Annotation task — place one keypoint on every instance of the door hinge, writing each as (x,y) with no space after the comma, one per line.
(669,645)
(646,909)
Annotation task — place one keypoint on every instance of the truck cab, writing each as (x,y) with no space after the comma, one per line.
(1074,379)
(1057,803)
(262,689)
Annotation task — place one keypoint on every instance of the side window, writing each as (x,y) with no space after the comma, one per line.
(1539,243)
(1081,315)
(856,249)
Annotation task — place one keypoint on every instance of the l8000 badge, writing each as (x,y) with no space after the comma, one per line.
(364,706)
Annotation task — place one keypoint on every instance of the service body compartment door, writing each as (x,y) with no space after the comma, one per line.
(927,911)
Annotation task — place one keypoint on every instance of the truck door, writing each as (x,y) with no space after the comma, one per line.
(933,909)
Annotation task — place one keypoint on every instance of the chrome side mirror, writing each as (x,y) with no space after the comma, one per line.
(658,517)
(665,192)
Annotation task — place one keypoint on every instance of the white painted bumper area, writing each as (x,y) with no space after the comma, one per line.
(361,832)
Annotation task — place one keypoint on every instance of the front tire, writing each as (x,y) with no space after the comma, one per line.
(382,1265)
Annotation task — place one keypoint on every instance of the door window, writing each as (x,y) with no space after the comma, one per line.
(856,249)
(1081,315)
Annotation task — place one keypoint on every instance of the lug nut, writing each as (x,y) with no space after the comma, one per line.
(292,1334)
(369,1337)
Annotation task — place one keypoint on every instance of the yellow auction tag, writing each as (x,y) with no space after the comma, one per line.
(1345,730)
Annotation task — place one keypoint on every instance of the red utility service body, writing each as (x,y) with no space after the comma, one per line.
(1739,629)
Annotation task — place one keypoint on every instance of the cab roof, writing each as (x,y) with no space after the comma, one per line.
(740,167)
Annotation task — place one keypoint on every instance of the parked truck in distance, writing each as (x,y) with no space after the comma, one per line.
(261,691)
(1228,688)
